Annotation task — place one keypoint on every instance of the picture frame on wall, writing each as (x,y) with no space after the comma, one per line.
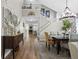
(47,13)
(43,11)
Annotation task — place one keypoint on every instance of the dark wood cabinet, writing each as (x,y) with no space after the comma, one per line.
(11,42)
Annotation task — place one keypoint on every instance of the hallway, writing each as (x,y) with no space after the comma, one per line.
(35,49)
(57,18)
(28,50)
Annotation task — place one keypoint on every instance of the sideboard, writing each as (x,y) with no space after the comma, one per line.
(10,42)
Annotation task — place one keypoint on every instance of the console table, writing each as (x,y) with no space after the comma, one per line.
(11,42)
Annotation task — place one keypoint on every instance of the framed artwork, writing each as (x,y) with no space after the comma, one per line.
(43,11)
(47,13)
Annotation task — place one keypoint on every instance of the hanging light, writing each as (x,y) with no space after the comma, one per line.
(67,12)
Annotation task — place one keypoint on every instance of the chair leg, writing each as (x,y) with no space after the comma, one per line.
(46,44)
(49,47)
(52,45)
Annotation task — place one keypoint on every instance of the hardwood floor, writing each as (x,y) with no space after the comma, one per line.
(26,50)
(34,49)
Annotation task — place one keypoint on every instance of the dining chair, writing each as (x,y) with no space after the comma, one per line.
(49,41)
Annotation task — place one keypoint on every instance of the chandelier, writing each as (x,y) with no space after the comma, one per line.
(67,12)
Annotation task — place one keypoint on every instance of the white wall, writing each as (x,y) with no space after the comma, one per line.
(55,24)
(59,5)
(44,20)
(54,27)
(15,6)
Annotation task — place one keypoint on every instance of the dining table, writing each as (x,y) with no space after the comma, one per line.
(57,40)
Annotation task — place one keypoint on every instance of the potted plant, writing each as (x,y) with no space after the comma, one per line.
(66,26)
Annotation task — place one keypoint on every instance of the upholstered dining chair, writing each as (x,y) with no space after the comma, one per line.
(49,41)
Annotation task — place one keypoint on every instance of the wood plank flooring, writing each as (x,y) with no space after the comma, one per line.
(26,50)
(34,49)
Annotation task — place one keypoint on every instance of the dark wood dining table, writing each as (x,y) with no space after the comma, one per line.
(58,41)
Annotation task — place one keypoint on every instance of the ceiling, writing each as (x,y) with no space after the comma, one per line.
(57,5)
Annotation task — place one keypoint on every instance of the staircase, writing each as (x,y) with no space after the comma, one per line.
(46,23)
(45,26)
(43,23)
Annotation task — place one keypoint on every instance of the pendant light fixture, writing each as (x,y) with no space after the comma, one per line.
(67,12)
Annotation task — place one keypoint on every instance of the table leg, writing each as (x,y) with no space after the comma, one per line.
(13,53)
(3,53)
(49,47)
(58,47)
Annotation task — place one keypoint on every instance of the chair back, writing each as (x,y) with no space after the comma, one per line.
(46,36)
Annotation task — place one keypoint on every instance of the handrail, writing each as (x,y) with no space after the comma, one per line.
(45,27)
(45,17)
